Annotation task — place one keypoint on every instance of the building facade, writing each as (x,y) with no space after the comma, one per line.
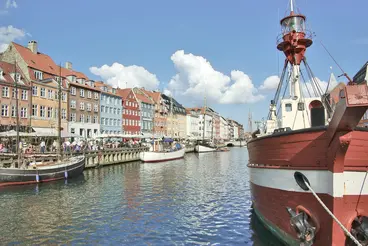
(224,129)
(111,109)
(146,106)
(193,115)
(84,108)
(13,83)
(176,120)
(160,114)
(131,120)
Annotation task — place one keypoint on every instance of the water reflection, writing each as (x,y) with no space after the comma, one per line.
(201,199)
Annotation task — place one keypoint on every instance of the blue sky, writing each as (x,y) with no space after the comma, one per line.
(231,35)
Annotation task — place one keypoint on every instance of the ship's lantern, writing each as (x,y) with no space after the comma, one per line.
(293,23)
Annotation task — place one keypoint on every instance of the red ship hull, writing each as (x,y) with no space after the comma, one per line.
(337,170)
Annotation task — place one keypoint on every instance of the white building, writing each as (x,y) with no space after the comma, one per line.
(192,126)
(224,129)
(236,131)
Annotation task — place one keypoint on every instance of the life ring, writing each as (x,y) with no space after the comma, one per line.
(314,220)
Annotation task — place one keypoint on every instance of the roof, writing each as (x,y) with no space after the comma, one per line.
(37,61)
(8,69)
(100,84)
(84,86)
(68,72)
(195,109)
(124,93)
(155,95)
(141,96)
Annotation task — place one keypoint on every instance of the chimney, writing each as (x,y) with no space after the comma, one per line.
(68,65)
(32,45)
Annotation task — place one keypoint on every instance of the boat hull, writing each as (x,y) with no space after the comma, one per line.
(336,172)
(15,176)
(203,149)
(150,156)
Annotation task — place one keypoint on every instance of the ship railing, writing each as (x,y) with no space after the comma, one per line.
(280,38)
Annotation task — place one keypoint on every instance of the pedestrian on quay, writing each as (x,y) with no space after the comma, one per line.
(43,146)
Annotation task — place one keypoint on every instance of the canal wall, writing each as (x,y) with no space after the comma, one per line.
(92,158)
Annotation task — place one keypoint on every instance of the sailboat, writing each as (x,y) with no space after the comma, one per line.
(164,149)
(308,166)
(205,145)
(25,171)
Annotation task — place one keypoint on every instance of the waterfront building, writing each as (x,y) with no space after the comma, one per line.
(362,77)
(160,114)
(131,119)
(224,129)
(11,79)
(146,106)
(111,109)
(84,104)
(176,120)
(193,115)
(44,77)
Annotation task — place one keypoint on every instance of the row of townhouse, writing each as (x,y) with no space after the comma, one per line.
(90,108)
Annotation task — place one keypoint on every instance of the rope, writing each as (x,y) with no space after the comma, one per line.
(332,215)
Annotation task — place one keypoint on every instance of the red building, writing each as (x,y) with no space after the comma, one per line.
(131,112)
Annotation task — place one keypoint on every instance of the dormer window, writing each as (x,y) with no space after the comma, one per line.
(38,75)
(17,77)
(1,74)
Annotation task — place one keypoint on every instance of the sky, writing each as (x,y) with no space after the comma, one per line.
(222,50)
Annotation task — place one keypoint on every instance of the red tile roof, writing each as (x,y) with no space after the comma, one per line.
(100,84)
(124,93)
(37,61)
(154,94)
(141,96)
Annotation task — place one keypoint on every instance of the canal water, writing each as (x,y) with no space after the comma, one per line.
(203,199)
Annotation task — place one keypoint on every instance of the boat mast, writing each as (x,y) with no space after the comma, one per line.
(171,116)
(59,115)
(204,116)
(16,110)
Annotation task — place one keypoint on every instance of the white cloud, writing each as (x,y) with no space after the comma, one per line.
(130,76)
(9,34)
(311,91)
(270,83)
(11,4)
(196,77)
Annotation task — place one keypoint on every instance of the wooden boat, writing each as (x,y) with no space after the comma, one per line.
(159,152)
(202,147)
(308,166)
(43,172)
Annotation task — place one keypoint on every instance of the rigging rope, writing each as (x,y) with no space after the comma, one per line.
(331,214)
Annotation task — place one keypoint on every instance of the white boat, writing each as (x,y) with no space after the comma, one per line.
(204,148)
(159,153)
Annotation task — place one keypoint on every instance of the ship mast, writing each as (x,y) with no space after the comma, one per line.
(204,116)
(16,111)
(59,115)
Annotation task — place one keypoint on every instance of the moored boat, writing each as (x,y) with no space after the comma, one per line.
(308,166)
(203,147)
(42,172)
(159,152)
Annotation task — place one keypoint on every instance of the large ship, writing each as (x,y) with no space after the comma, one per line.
(309,163)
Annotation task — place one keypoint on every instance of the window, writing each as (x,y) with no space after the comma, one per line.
(5,92)
(49,94)
(5,110)
(81,106)
(38,75)
(72,130)
(14,93)
(73,117)
(63,114)
(34,91)
(81,118)
(288,107)
(42,111)
(110,122)
(23,112)
(49,112)
(81,92)
(115,122)
(88,119)
(73,104)
(102,109)
(43,92)
(89,107)
(108,100)
(300,106)
(102,121)
(114,110)
(95,108)
(24,95)
(118,122)
(110,110)
(96,95)
(94,119)
(73,91)
(89,94)
(63,97)
(13,113)
(34,109)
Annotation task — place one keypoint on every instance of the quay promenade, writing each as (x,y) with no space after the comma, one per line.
(93,158)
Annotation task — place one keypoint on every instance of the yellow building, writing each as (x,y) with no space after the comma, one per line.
(45,106)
